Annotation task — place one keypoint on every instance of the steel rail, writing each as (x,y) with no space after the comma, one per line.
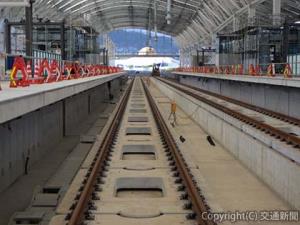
(78,213)
(277,115)
(199,206)
(268,129)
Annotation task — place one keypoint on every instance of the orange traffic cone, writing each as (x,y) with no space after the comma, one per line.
(287,71)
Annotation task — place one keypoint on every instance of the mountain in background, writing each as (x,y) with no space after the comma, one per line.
(132,40)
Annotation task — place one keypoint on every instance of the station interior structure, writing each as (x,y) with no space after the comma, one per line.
(214,140)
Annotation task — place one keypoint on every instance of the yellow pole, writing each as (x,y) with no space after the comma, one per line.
(12,77)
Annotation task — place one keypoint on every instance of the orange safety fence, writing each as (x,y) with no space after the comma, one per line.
(271,70)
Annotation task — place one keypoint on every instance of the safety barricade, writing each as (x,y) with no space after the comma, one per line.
(54,74)
(258,70)
(239,69)
(76,67)
(67,68)
(91,70)
(98,70)
(36,79)
(273,69)
(71,71)
(105,70)
(18,76)
(287,73)
(24,71)
(251,70)
(43,73)
(82,71)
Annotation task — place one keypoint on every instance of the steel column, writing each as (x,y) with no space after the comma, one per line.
(103,56)
(106,57)
(28,29)
(285,42)
(7,38)
(62,40)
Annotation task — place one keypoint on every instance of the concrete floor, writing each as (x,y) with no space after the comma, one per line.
(19,195)
(226,183)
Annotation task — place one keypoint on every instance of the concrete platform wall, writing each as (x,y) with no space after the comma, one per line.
(28,136)
(76,108)
(97,95)
(278,172)
(35,133)
(277,98)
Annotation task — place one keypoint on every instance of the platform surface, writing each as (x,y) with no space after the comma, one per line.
(279,81)
(15,102)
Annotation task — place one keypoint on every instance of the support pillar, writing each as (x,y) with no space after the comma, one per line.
(103,56)
(285,42)
(28,29)
(62,40)
(7,37)
(106,56)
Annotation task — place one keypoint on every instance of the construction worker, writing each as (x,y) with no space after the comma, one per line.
(173,111)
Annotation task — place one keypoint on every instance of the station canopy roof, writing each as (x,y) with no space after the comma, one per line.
(193,22)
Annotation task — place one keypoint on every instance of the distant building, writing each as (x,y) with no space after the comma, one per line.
(147,51)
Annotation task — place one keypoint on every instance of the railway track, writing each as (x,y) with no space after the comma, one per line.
(267,112)
(235,109)
(138,175)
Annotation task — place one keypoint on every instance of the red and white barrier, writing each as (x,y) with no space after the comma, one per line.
(19,66)
(48,71)
(282,69)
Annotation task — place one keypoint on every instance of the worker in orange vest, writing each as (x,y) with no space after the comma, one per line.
(173,111)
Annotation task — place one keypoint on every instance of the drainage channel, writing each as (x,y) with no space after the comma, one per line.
(138,175)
